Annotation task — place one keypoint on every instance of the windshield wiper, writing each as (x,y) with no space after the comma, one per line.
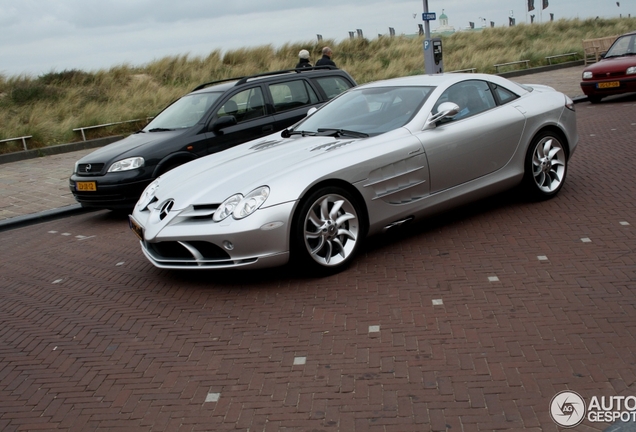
(160,130)
(342,132)
(286,133)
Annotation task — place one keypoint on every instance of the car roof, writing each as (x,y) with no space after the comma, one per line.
(225,84)
(444,80)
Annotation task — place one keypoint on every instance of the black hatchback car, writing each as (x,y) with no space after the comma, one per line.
(212,118)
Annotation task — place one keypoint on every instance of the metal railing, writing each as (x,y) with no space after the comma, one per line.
(23,138)
(469,70)
(575,55)
(82,129)
(525,63)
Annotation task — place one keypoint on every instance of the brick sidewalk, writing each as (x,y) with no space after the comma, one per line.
(471,321)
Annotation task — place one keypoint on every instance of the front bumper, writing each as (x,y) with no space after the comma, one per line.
(258,241)
(625,85)
(112,191)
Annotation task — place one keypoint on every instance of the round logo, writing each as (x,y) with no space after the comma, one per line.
(165,209)
(567,409)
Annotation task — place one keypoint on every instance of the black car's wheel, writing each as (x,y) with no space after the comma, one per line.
(328,230)
(545,166)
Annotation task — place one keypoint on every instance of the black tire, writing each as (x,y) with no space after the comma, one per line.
(545,166)
(327,231)
(594,99)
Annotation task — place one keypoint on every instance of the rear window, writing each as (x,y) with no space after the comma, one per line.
(292,94)
(333,86)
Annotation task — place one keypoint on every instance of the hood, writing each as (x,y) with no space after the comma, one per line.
(267,161)
(612,64)
(127,147)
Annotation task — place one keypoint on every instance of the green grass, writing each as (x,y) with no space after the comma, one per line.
(50,106)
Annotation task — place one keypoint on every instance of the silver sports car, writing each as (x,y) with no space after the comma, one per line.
(375,157)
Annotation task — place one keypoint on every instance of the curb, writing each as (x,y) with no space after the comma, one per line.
(43,216)
(57,149)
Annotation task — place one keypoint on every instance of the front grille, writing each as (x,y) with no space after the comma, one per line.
(172,250)
(611,75)
(90,169)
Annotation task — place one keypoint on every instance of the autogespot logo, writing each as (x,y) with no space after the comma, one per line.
(567,409)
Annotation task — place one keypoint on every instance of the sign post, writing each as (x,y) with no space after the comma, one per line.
(432,47)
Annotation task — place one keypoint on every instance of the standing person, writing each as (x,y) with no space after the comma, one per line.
(303,59)
(326,58)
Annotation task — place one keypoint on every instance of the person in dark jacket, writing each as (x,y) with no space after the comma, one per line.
(303,59)
(326,58)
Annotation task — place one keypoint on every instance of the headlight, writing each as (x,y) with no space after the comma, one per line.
(587,75)
(127,164)
(251,202)
(631,70)
(226,208)
(148,195)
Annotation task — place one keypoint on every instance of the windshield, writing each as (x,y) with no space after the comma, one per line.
(370,111)
(184,113)
(623,46)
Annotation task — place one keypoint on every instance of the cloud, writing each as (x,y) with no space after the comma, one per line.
(40,36)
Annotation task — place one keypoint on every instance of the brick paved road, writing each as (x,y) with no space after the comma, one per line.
(468,322)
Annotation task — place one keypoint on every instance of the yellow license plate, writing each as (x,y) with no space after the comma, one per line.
(136,228)
(610,84)
(86,186)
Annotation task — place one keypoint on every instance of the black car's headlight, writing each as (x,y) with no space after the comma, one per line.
(240,206)
(127,164)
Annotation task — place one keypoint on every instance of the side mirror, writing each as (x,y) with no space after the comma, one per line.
(222,123)
(444,111)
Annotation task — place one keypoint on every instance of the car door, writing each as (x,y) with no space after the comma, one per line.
(253,119)
(480,140)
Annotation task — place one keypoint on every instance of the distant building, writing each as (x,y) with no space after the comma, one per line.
(444,28)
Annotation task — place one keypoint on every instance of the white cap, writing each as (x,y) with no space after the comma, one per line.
(303,54)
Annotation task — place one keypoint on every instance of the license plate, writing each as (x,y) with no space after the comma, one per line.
(86,186)
(136,228)
(610,84)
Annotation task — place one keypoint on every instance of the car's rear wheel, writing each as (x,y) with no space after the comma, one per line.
(545,166)
(594,99)
(328,230)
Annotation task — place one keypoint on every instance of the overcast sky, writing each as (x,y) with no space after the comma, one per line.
(41,36)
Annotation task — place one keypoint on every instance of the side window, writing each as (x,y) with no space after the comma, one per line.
(333,86)
(472,97)
(504,95)
(245,105)
(292,94)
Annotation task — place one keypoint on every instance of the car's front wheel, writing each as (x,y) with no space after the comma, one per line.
(328,230)
(545,166)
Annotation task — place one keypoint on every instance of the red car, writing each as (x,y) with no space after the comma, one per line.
(615,73)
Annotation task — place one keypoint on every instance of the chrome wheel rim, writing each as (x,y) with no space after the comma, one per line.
(548,164)
(331,230)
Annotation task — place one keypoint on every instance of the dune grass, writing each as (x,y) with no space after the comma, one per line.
(50,106)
